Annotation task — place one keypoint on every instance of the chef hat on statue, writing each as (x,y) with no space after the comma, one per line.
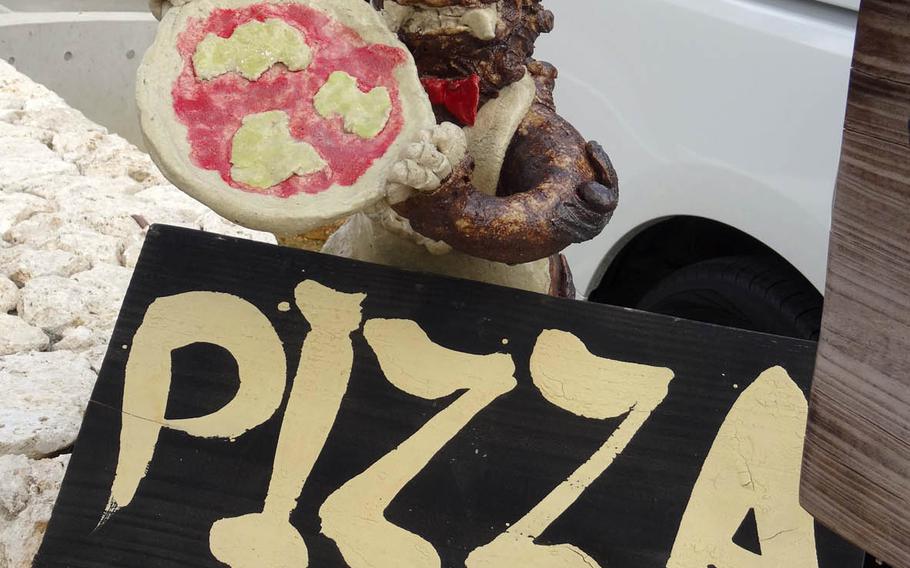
(281,115)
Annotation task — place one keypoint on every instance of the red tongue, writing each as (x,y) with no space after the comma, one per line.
(460,97)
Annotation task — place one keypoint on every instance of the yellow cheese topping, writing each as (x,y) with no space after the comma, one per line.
(364,114)
(252,50)
(265,154)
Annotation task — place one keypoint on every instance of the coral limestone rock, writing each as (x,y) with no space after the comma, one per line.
(34,263)
(28,490)
(16,336)
(53,303)
(44,396)
(9,295)
(75,204)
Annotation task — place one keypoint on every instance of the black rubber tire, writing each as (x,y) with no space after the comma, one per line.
(748,292)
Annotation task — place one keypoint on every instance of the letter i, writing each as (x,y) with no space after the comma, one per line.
(268,538)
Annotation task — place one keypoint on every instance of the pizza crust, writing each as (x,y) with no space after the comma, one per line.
(167,136)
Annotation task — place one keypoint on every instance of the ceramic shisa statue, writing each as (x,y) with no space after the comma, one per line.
(422,135)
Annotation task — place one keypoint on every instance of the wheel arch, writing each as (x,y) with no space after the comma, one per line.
(653,250)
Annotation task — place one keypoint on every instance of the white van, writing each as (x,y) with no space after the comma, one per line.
(723,118)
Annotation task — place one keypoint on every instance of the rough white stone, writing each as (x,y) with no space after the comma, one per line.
(25,159)
(44,397)
(40,98)
(53,303)
(40,184)
(9,295)
(28,490)
(10,115)
(46,116)
(75,203)
(95,247)
(16,336)
(130,255)
(95,355)
(35,231)
(9,101)
(36,262)
(134,212)
(178,205)
(109,155)
(120,226)
(61,188)
(9,256)
(18,207)
(8,130)
(103,289)
(214,223)
(18,86)
(95,331)
(80,338)
(20,91)
(112,214)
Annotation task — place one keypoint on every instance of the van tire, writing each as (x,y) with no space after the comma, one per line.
(757,293)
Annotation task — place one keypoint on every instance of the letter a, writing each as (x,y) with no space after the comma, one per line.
(754,464)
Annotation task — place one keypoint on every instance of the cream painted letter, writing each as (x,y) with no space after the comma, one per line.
(754,464)
(174,322)
(353,516)
(572,378)
(268,539)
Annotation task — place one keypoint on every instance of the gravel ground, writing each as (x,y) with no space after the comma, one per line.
(75,204)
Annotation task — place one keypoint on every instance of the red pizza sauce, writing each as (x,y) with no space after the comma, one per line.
(213,111)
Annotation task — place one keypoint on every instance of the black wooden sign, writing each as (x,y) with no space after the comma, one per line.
(264,407)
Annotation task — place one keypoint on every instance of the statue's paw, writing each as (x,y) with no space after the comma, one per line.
(603,167)
(426,163)
(450,140)
(585,215)
(427,156)
(415,175)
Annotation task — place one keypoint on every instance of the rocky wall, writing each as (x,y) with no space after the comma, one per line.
(75,204)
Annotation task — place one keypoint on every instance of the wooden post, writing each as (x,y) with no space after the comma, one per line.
(856,476)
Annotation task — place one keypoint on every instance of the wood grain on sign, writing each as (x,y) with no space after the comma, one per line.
(262,407)
(857,460)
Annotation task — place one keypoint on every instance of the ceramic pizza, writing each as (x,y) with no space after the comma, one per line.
(281,115)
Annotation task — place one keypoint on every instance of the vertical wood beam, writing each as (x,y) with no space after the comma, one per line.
(856,475)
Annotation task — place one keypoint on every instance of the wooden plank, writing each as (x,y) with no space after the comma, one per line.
(856,476)
(879,107)
(883,40)
(542,464)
